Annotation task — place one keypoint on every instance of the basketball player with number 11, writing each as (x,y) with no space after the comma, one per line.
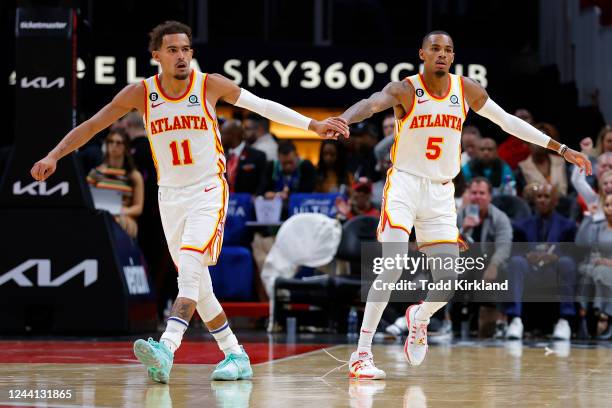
(178,106)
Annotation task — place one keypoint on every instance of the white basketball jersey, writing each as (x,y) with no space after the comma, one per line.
(428,139)
(183,133)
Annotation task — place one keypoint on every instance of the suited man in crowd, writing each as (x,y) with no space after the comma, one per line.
(245,166)
(544,227)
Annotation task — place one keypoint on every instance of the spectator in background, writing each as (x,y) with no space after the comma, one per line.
(485,223)
(487,164)
(118,172)
(289,174)
(604,163)
(593,200)
(546,225)
(245,166)
(603,144)
(487,228)
(514,150)
(596,271)
(361,160)
(332,174)
(543,166)
(257,134)
(360,202)
(384,146)
(470,136)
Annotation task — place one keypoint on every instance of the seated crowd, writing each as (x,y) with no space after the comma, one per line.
(511,192)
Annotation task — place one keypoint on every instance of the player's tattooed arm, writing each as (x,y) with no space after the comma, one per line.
(394,94)
(127,99)
(130,97)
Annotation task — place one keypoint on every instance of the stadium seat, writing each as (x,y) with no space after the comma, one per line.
(232,277)
(239,211)
(354,232)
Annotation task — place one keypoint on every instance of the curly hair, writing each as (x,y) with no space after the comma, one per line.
(156,35)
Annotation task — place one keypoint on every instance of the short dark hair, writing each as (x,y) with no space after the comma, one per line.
(471,129)
(156,36)
(435,32)
(285,147)
(481,179)
(260,120)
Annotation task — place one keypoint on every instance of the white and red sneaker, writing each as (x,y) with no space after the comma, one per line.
(361,366)
(415,347)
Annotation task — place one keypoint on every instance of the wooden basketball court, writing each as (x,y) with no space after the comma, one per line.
(471,374)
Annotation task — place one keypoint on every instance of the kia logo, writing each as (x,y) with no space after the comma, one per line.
(88,267)
(42,82)
(36,188)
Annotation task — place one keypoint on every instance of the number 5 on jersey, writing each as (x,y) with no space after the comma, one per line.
(433,148)
(176,157)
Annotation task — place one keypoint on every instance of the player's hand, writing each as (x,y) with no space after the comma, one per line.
(330,128)
(470,222)
(491,273)
(343,207)
(579,160)
(548,258)
(43,168)
(534,257)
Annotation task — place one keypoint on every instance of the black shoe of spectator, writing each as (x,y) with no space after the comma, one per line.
(583,330)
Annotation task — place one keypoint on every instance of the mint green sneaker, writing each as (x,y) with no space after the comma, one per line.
(233,367)
(156,357)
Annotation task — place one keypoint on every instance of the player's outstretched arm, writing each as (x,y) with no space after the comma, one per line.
(221,88)
(391,95)
(479,100)
(130,97)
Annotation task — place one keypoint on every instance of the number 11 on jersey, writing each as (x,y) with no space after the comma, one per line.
(176,157)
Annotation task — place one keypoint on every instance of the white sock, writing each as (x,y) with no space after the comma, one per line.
(175,328)
(371,318)
(427,309)
(365,340)
(227,341)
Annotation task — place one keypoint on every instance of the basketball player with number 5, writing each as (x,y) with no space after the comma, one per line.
(178,107)
(430,109)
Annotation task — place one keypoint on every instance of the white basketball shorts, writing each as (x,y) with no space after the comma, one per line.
(193,217)
(412,200)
